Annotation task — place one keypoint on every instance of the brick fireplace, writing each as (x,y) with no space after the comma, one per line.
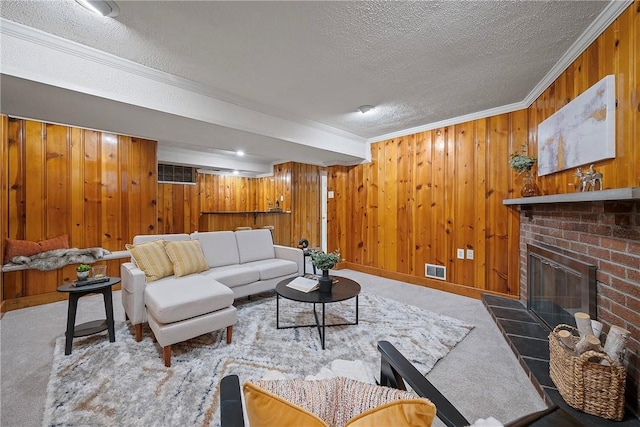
(605,234)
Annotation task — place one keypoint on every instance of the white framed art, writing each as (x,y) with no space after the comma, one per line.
(581,132)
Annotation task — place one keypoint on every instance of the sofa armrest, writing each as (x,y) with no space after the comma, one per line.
(231,413)
(292,254)
(133,282)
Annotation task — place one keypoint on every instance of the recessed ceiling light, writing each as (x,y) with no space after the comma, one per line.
(236,172)
(240,153)
(366,108)
(101,7)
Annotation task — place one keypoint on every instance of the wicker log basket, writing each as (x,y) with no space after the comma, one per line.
(583,382)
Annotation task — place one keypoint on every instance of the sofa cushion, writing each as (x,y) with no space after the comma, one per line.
(179,298)
(233,275)
(186,256)
(144,238)
(254,245)
(151,258)
(219,247)
(270,268)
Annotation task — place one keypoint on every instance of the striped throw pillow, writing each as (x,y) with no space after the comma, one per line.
(187,257)
(151,258)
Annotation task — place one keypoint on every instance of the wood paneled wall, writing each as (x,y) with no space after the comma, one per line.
(295,186)
(178,207)
(99,188)
(226,193)
(425,195)
(306,204)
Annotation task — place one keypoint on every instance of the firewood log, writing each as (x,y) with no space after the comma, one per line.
(616,343)
(589,342)
(566,339)
(583,323)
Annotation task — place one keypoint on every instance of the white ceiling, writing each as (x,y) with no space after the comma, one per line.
(282,80)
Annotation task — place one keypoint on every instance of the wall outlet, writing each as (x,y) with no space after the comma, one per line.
(469,253)
(282,198)
(330,195)
(460,253)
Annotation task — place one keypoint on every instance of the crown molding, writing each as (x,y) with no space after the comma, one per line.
(453,121)
(51,41)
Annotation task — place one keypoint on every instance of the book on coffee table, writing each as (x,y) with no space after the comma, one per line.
(303,284)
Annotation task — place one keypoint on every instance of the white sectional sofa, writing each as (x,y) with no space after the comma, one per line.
(247,262)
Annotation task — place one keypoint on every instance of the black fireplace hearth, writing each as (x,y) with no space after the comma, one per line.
(528,338)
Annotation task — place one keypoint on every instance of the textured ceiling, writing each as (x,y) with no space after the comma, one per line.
(315,62)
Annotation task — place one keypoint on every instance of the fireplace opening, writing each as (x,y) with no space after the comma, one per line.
(559,286)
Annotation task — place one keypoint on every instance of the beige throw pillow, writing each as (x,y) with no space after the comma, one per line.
(151,258)
(187,257)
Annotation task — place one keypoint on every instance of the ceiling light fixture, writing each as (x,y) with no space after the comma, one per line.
(101,7)
(240,153)
(366,108)
(236,172)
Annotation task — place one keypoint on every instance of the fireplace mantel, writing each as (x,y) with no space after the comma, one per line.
(629,193)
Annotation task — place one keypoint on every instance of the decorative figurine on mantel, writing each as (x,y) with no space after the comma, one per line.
(588,180)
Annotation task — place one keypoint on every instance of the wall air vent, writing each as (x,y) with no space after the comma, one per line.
(435,271)
(174,174)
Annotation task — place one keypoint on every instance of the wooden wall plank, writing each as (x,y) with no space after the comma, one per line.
(464,209)
(57,185)
(422,187)
(35,179)
(440,255)
(92,189)
(480,203)
(110,195)
(76,192)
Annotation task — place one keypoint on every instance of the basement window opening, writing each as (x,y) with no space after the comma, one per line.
(174,174)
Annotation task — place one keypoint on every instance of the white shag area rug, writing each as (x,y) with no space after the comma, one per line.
(126,383)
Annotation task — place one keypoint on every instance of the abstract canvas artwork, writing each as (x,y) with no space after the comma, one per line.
(581,132)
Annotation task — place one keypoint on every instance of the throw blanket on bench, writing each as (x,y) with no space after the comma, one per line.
(57,258)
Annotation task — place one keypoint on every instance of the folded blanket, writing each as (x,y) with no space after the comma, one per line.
(52,260)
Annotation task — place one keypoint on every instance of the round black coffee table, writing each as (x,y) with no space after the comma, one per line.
(89,328)
(343,289)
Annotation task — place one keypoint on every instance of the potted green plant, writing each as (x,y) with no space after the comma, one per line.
(83,271)
(522,163)
(325,262)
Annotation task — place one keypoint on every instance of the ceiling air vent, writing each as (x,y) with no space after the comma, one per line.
(435,271)
(176,174)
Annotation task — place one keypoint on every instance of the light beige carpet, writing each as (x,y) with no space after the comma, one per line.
(126,383)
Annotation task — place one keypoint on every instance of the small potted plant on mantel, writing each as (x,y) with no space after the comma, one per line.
(522,163)
(325,262)
(83,271)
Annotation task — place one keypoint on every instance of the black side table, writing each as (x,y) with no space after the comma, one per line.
(93,327)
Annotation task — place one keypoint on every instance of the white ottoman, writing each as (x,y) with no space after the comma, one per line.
(187,307)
